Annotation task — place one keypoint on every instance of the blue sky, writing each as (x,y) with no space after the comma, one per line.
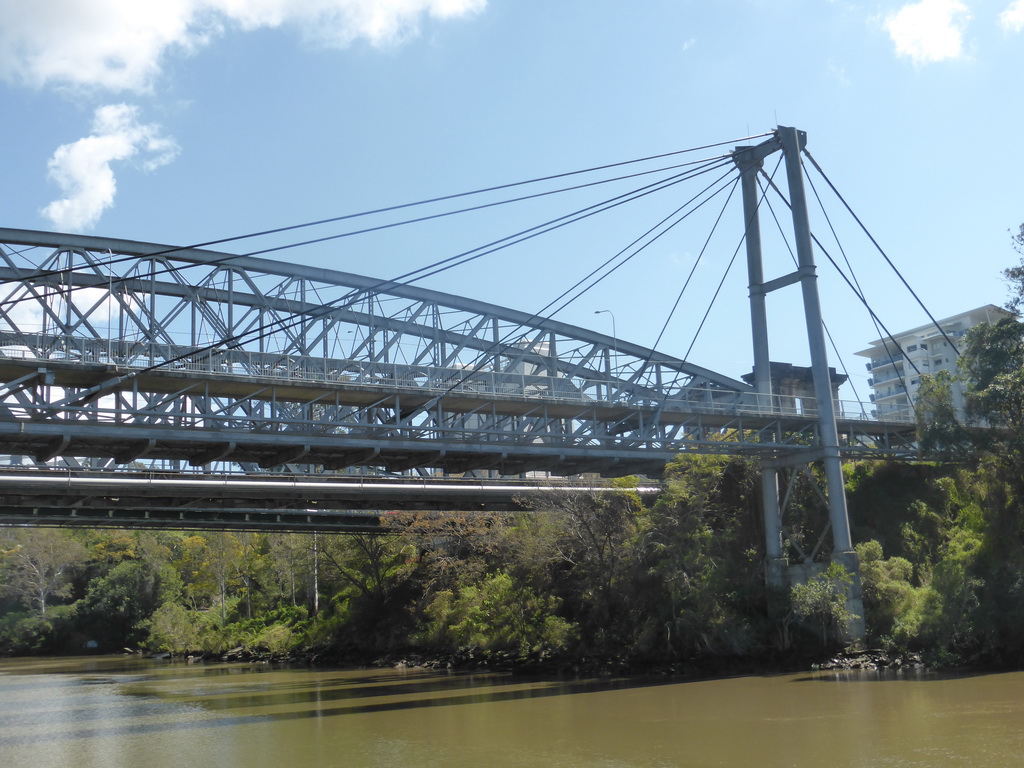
(191,120)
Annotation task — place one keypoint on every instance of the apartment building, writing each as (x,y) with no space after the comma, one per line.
(894,380)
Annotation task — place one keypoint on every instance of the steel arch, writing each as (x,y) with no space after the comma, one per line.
(123,353)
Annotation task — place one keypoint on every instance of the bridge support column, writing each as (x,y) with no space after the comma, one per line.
(749,161)
(843,553)
(774,562)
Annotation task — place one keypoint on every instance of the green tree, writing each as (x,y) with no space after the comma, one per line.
(822,600)
(116,604)
(1015,275)
(223,563)
(702,549)
(291,558)
(373,579)
(37,565)
(588,542)
(373,566)
(957,582)
(456,547)
(190,556)
(992,363)
(887,587)
(939,431)
(496,615)
(209,565)
(252,566)
(173,628)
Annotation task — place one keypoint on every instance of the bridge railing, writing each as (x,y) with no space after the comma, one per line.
(435,380)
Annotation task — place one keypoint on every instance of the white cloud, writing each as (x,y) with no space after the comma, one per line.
(119,45)
(21,312)
(83,169)
(929,30)
(110,44)
(1012,19)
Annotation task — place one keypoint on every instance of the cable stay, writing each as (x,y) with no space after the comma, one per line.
(697,261)
(284,324)
(430,201)
(703,167)
(882,252)
(679,216)
(840,271)
(476,366)
(855,287)
(294,320)
(793,258)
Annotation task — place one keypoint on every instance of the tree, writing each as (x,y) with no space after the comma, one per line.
(497,615)
(373,565)
(701,546)
(939,431)
(252,565)
(992,363)
(175,629)
(291,556)
(590,540)
(37,565)
(224,556)
(822,599)
(374,575)
(455,547)
(993,359)
(117,603)
(209,566)
(1015,275)
(887,587)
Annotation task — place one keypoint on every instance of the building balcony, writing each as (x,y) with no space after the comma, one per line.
(880,397)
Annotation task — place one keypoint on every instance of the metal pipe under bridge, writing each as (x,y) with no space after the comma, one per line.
(281,503)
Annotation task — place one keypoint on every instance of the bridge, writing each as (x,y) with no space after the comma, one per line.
(123,359)
(154,384)
(139,357)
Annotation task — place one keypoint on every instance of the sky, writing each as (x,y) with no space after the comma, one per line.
(187,121)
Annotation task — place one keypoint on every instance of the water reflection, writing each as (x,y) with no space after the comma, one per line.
(130,712)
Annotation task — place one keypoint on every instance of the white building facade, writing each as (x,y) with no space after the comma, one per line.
(897,362)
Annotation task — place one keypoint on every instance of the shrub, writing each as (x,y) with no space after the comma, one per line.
(497,615)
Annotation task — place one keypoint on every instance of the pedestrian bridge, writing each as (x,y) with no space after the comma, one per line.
(154,385)
(157,358)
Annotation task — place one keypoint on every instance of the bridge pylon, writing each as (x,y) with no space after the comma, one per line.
(779,573)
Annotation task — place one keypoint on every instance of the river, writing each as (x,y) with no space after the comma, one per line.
(132,712)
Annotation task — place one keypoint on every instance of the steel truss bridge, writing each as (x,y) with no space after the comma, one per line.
(136,377)
(112,364)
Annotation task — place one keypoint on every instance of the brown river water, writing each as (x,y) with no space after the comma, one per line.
(129,712)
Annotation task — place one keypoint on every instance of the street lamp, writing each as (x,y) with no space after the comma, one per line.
(615,336)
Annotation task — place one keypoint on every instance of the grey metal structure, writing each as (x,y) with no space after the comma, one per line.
(254,503)
(827,448)
(119,352)
(128,357)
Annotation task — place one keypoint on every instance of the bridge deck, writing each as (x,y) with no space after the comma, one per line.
(269,420)
(115,353)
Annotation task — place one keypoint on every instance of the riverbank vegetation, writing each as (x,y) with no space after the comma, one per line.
(578,580)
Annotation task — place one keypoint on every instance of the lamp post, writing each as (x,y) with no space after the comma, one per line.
(615,336)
